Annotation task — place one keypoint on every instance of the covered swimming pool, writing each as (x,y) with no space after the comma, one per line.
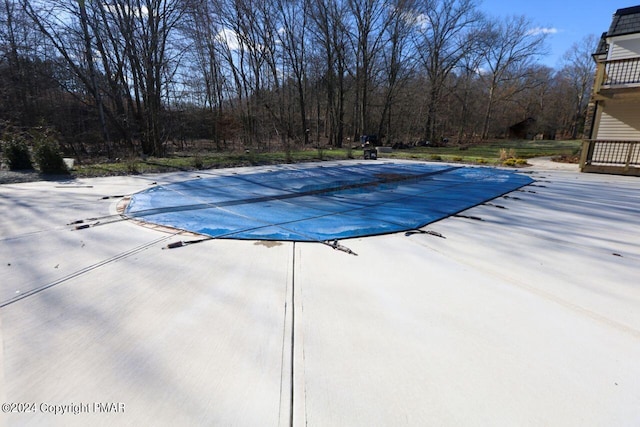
(322,203)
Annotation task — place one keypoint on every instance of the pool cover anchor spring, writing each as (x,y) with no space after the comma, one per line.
(429,232)
(337,246)
(181,243)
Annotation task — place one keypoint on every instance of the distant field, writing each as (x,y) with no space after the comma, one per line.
(483,153)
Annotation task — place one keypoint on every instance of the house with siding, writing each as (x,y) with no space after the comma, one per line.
(612,131)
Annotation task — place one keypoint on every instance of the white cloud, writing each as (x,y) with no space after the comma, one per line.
(541,30)
(230,38)
(419,20)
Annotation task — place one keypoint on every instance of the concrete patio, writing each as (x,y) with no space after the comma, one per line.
(525,312)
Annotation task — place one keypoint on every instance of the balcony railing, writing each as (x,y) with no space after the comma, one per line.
(621,72)
(621,157)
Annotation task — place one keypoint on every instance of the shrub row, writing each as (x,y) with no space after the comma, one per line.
(46,153)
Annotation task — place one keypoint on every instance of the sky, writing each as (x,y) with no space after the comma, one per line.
(567,21)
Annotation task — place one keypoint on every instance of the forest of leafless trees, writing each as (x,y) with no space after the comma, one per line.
(144,76)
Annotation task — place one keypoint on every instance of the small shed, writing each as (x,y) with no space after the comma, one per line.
(524,129)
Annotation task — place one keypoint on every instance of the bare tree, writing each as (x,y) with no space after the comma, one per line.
(443,42)
(247,41)
(92,79)
(144,29)
(15,37)
(510,48)
(69,29)
(367,39)
(131,38)
(206,72)
(292,36)
(202,29)
(578,70)
(466,89)
(328,21)
(398,59)
(533,103)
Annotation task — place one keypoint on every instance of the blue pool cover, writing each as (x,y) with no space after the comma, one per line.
(322,203)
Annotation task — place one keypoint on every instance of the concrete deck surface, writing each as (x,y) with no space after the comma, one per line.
(528,314)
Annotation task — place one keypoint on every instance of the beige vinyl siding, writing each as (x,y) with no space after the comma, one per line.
(620,122)
(623,49)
